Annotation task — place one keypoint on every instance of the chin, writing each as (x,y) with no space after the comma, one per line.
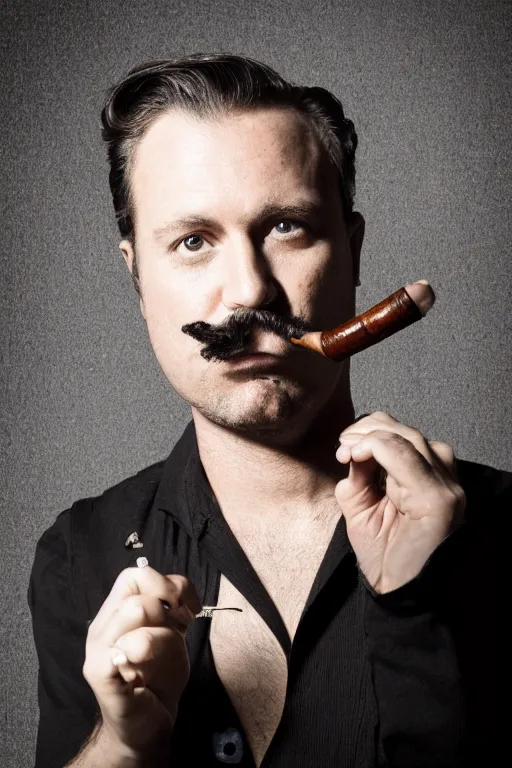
(261,406)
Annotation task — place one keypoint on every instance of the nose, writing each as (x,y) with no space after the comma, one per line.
(247,279)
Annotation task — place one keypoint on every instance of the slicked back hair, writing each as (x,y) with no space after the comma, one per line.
(209,86)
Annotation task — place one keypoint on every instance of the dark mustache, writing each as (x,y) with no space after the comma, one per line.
(231,336)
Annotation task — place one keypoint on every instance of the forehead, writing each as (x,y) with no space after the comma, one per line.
(229,165)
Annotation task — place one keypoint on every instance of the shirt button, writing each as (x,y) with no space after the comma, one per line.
(228,746)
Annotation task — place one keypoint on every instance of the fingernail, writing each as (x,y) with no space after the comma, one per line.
(342,452)
(119,658)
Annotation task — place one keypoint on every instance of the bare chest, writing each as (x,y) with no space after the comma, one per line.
(247,656)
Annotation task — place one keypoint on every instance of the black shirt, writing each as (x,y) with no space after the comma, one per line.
(402,680)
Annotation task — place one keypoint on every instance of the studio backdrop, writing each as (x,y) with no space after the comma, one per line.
(84,403)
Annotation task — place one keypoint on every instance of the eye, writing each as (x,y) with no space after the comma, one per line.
(192,242)
(285,227)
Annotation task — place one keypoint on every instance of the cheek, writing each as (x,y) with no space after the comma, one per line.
(324,292)
(161,304)
(169,299)
(167,309)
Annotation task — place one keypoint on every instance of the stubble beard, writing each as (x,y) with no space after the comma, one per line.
(275,411)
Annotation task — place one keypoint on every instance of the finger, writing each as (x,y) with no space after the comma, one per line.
(158,656)
(142,611)
(403,463)
(126,670)
(173,589)
(377,422)
(107,670)
(445,454)
(187,594)
(131,581)
(361,486)
(146,644)
(419,443)
(371,418)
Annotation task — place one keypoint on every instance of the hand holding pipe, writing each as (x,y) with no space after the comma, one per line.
(402,308)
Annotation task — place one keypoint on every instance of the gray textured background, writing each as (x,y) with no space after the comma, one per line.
(84,403)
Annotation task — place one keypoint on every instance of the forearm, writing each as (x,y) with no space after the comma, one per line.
(101,751)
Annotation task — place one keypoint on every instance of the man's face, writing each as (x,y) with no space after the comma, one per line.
(240,212)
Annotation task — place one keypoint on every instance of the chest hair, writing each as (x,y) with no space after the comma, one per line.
(248,658)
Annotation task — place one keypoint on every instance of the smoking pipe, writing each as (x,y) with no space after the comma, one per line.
(402,308)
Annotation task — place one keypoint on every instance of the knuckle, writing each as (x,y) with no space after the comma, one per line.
(453,496)
(143,647)
(178,582)
(89,670)
(180,588)
(85,670)
(382,415)
(126,576)
(128,579)
(183,592)
(445,453)
(401,445)
(392,437)
(444,447)
(133,603)
(174,603)
(134,609)
(92,633)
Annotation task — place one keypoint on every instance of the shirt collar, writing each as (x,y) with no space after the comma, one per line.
(184,491)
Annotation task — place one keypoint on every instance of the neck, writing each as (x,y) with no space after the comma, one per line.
(251,477)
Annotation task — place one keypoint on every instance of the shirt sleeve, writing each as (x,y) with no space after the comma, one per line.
(433,643)
(67,706)
(416,678)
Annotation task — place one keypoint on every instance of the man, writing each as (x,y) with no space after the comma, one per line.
(345,600)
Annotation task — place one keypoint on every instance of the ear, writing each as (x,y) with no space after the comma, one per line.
(355,231)
(128,252)
(126,249)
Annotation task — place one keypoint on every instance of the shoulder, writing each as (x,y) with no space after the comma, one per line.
(138,488)
(129,501)
(128,498)
(86,547)
(76,551)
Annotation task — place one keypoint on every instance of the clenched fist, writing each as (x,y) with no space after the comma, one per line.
(136,659)
(394,529)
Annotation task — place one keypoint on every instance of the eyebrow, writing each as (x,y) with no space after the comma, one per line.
(309,209)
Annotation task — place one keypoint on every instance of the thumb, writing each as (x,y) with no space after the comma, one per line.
(360,489)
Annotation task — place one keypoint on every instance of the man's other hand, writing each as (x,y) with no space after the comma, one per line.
(136,658)
(396,524)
